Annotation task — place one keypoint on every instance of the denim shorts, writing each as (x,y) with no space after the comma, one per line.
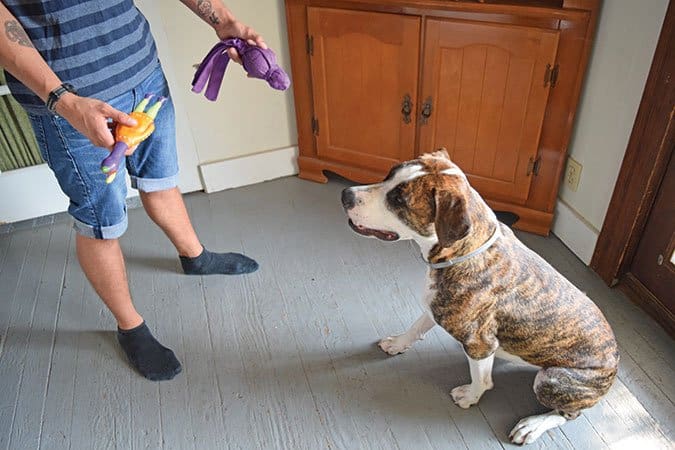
(99,209)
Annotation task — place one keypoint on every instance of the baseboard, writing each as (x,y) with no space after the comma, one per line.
(575,232)
(642,297)
(251,169)
(33,192)
(28,193)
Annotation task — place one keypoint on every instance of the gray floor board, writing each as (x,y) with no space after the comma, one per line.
(40,340)
(145,412)
(16,355)
(285,357)
(70,329)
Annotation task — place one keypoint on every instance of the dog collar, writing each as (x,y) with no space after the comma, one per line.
(460,259)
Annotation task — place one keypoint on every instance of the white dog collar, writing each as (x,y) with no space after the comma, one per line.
(459,259)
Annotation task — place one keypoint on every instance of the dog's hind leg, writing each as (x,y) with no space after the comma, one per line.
(399,344)
(566,391)
(481,380)
(530,428)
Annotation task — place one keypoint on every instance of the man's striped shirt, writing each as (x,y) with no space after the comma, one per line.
(104,48)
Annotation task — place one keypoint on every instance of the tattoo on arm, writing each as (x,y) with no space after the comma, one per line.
(16,33)
(206,10)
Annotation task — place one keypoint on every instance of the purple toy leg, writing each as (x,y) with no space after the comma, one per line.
(110,165)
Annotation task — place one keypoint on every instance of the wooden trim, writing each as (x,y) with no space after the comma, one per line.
(531,220)
(296,18)
(642,297)
(644,164)
(433,7)
(312,169)
(573,52)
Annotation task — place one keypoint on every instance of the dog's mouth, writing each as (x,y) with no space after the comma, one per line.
(380,234)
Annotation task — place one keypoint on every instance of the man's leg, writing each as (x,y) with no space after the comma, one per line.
(167,209)
(100,219)
(103,264)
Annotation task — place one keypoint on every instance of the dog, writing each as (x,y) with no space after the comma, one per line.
(489,291)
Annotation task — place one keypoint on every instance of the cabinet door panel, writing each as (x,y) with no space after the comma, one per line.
(363,65)
(486,82)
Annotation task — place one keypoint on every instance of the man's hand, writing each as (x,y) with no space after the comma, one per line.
(91,118)
(216,14)
(236,29)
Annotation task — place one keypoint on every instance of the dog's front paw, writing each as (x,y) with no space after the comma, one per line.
(395,344)
(464,396)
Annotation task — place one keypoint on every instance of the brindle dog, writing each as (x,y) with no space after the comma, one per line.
(489,291)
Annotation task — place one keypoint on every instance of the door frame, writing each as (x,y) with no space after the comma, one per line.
(644,165)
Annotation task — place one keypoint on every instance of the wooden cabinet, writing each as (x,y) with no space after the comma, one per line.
(363,65)
(487,82)
(496,84)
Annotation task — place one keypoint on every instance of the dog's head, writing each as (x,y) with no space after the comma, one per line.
(426,199)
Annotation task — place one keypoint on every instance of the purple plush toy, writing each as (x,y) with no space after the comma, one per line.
(258,63)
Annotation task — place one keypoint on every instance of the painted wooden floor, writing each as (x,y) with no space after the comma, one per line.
(286,357)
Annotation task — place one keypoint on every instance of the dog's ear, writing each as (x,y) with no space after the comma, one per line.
(439,153)
(452,218)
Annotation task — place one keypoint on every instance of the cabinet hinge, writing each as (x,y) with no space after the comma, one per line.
(315,126)
(310,45)
(551,75)
(533,166)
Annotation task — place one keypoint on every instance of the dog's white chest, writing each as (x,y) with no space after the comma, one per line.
(429,292)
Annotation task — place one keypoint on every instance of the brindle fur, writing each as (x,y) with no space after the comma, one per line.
(511,297)
(507,296)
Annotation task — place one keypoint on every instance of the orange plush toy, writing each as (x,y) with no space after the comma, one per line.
(128,137)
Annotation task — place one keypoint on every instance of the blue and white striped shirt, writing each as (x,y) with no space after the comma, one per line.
(104,48)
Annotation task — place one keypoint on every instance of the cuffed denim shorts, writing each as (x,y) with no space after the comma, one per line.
(99,209)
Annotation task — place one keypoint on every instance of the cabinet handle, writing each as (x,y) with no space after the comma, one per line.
(406,108)
(427,109)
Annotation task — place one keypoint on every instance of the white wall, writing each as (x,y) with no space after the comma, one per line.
(249,116)
(627,34)
(189,180)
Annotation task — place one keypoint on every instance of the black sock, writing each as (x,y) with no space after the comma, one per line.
(209,263)
(154,361)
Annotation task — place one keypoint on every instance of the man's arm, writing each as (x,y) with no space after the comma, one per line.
(20,58)
(216,14)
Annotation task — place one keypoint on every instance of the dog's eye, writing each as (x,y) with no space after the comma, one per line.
(396,198)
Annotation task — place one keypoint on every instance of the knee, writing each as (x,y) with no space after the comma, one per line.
(569,390)
(480,347)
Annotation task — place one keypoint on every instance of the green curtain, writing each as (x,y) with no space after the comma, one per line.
(18,147)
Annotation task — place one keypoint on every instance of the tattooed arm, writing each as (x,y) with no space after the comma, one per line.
(216,14)
(18,55)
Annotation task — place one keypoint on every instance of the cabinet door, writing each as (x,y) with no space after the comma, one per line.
(486,84)
(364,65)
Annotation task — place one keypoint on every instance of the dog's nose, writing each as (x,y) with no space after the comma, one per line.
(348,199)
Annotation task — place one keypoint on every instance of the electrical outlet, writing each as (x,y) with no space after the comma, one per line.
(573,173)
